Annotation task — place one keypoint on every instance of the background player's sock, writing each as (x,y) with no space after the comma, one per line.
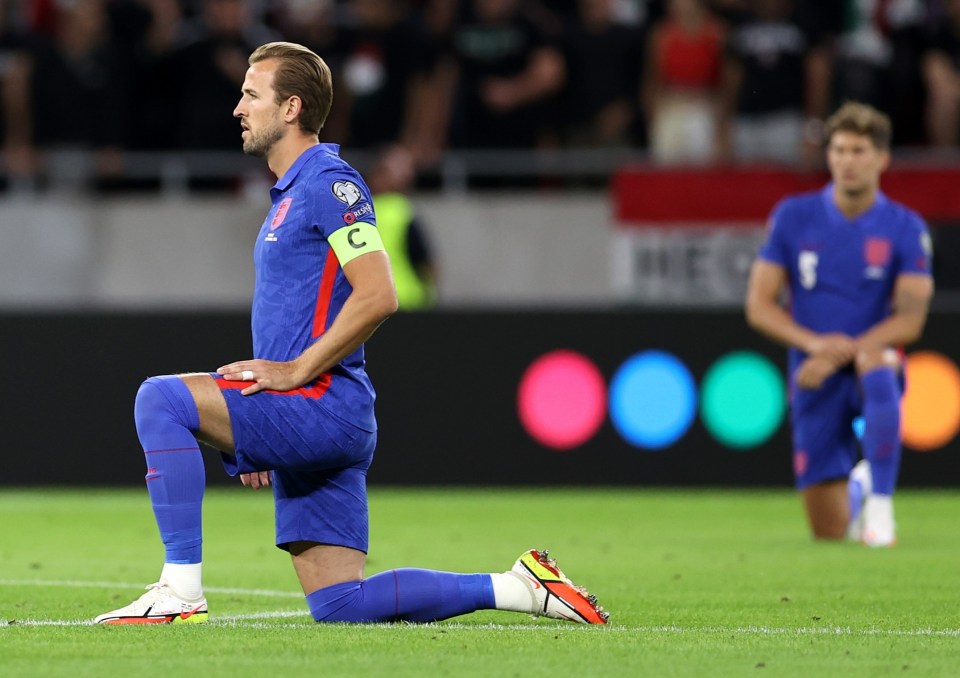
(881,435)
(859,486)
(166,417)
(407,594)
(855,495)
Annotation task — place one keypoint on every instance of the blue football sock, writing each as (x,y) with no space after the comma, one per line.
(166,416)
(855,496)
(408,594)
(881,435)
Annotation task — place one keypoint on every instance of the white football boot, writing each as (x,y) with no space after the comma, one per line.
(860,474)
(159,605)
(879,527)
(554,595)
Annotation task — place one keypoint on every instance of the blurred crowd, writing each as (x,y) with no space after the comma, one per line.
(687,81)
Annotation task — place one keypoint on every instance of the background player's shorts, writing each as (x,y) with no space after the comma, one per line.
(319,463)
(825,446)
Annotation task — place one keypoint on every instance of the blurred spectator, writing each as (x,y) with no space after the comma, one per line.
(427,119)
(508,69)
(160,30)
(604,65)
(414,271)
(628,12)
(78,88)
(208,72)
(308,22)
(682,83)
(381,62)
(941,73)
(165,74)
(878,57)
(40,16)
(15,121)
(729,11)
(776,85)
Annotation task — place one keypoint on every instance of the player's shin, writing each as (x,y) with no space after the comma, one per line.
(881,436)
(166,417)
(407,594)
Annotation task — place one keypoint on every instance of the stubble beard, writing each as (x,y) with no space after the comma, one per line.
(258,145)
(855,191)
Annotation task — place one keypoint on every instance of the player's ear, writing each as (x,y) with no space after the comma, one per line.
(292,108)
(884,160)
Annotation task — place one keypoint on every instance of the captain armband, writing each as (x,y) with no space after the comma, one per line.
(351,241)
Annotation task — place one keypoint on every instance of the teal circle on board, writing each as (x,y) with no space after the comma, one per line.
(742,399)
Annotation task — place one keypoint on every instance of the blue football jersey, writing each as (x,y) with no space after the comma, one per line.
(300,286)
(841,272)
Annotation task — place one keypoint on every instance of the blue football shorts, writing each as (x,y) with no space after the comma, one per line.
(825,446)
(319,463)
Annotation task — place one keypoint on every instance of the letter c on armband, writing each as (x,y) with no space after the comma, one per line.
(355,245)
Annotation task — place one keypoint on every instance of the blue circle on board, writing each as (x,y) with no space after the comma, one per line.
(653,400)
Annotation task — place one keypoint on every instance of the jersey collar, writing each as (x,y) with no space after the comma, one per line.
(284,182)
(838,217)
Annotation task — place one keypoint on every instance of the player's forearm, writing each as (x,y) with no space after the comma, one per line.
(899,329)
(359,318)
(911,304)
(774,322)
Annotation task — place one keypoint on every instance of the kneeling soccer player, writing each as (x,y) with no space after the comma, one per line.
(300,415)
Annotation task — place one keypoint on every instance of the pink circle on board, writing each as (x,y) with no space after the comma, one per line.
(562,399)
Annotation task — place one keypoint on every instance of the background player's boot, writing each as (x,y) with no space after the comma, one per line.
(159,605)
(860,487)
(879,528)
(554,594)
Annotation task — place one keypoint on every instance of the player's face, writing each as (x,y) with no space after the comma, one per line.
(855,163)
(259,111)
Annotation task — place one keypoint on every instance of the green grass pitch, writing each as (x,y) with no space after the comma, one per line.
(699,583)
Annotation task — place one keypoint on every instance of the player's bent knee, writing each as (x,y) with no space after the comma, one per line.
(164,400)
(872,358)
(830,534)
(338,603)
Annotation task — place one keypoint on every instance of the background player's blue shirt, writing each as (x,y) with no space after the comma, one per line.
(300,286)
(842,271)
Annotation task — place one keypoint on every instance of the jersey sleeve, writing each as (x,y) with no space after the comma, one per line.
(915,247)
(341,199)
(346,217)
(775,248)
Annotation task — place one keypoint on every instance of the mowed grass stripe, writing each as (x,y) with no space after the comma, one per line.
(699,582)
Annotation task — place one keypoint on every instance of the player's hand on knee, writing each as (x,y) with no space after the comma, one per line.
(266,374)
(813,372)
(836,347)
(255,480)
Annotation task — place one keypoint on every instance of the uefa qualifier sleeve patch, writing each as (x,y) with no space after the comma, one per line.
(355,239)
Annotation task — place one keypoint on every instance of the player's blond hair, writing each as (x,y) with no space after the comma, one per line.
(861,119)
(301,73)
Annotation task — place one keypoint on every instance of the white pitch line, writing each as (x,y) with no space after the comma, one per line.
(229,620)
(803,631)
(124,585)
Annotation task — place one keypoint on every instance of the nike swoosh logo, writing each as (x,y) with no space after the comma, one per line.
(536,584)
(187,615)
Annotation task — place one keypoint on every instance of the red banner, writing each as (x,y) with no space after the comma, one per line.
(701,196)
